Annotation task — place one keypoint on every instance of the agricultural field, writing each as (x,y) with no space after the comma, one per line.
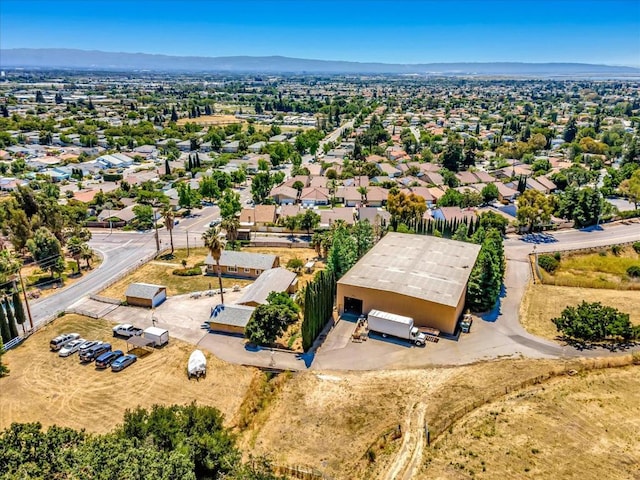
(602,268)
(44,387)
(541,303)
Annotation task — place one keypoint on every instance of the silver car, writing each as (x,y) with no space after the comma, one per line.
(71,347)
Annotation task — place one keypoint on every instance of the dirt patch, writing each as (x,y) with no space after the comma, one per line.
(585,426)
(52,390)
(541,303)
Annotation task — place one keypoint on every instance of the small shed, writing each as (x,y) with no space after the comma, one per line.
(146,295)
(231,319)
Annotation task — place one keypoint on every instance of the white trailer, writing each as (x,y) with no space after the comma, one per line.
(387,323)
(160,336)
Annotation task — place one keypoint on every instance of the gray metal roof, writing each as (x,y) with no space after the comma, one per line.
(273,280)
(234,315)
(143,290)
(430,268)
(260,261)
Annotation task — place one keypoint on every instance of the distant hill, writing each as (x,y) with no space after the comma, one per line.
(97,60)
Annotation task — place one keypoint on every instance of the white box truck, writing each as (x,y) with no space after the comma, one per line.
(160,336)
(396,325)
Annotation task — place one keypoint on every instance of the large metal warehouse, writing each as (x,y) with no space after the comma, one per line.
(417,276)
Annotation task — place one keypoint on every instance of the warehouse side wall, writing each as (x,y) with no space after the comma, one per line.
(424,313)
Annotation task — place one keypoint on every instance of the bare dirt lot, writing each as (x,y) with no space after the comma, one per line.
(211,120)
(47,388)
(541,303)
(586,427)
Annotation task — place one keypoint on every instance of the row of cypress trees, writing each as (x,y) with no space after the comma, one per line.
(318,306)
(11,315)
(446,227)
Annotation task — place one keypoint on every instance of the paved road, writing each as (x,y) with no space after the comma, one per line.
(119,251)
(333,136)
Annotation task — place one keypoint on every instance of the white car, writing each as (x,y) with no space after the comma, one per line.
(71,347)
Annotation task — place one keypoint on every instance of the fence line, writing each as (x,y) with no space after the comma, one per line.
(14,342)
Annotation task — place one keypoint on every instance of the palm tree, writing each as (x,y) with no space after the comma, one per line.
(74,246)
(167,214)
(215,245)
(363,194)
(86,253)
(231,225)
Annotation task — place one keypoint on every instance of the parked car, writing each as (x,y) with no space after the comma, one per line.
(215,222)
(123,362)
(126,330)
(61,340)
(72,347)
(105,360)
(94,352)
(88,344)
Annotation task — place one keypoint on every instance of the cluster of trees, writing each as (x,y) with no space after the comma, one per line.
(345,245)
(11,315)
(485,281)
(308,220)
(164,442)
(405,209)
(595,322)
(319,297)
(270,320)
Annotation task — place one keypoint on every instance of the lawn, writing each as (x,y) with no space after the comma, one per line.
(541,303)
(160,272)
(599,269)
(43,387)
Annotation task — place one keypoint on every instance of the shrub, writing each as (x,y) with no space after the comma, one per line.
(634,271)
(636,247)
(557,256)
(616,249)
(548,263)
(187,272)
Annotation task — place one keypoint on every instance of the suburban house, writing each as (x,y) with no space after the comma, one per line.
(284,195)
(231,147)
(272,280)
(259,216)
(506,193)
(241,264)
(312,196)
(146,295)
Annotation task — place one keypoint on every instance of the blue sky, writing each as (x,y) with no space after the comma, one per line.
(401,31)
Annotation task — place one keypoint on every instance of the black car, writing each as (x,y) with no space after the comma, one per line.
(94,352)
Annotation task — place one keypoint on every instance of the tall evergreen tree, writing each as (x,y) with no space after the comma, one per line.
(5,333)
(18,309)
(11,319)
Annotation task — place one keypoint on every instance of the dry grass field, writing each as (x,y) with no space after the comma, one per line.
(585,427)
(541,303)
(597,269)
(330,420)
(52,390)
(216,120)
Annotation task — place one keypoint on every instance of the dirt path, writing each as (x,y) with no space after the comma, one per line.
(409,456)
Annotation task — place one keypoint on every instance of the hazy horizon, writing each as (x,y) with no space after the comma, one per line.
(378,31)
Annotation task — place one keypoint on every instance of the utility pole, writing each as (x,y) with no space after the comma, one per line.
(155,225)
(26,301)
(187,243)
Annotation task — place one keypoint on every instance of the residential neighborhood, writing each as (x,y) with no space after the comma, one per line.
(368,257)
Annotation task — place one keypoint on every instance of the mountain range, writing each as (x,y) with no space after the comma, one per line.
(118,61)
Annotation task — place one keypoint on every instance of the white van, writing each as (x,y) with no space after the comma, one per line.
(61,340)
